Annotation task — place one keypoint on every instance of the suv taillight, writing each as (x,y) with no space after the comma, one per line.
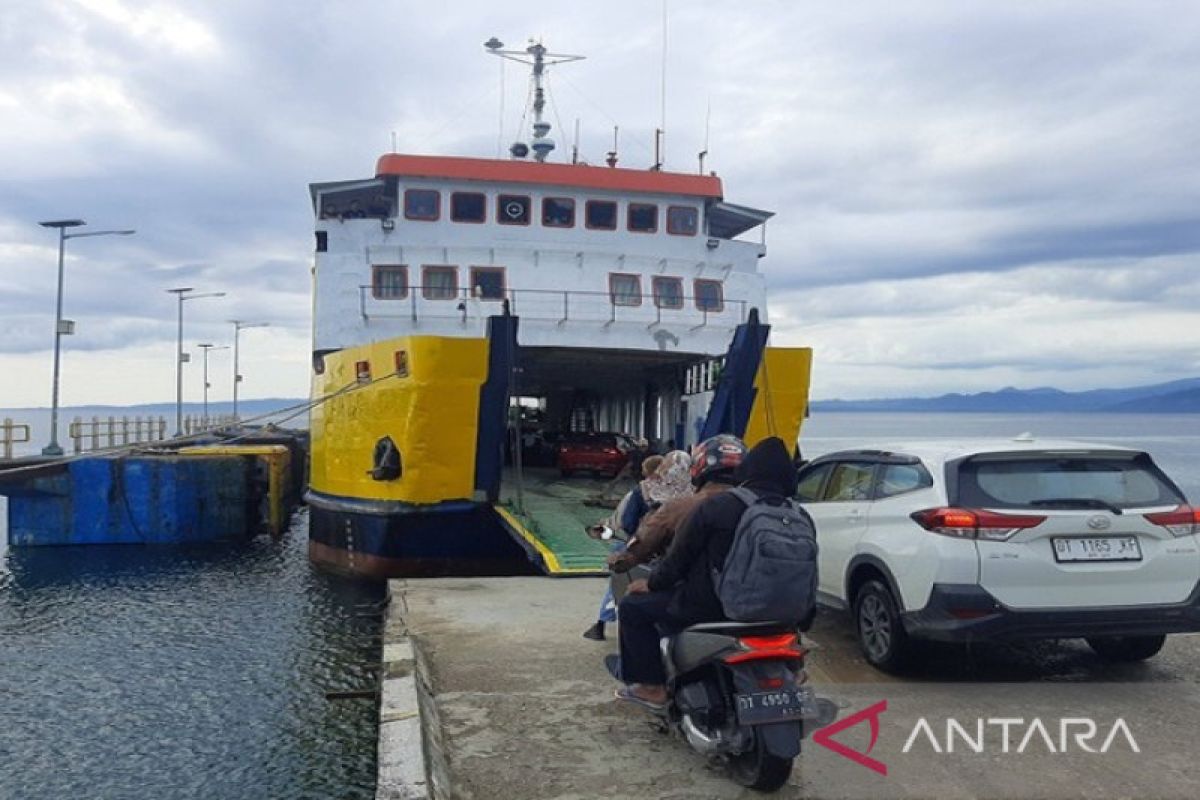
(971,523)
(1183,521)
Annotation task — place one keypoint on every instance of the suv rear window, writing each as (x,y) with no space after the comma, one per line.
(1065,481)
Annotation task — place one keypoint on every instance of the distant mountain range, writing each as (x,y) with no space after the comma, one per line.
(246,408)
(1175,397)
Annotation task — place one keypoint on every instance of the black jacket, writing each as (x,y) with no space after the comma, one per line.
(703,542)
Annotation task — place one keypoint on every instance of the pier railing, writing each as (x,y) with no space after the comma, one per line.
(98,432)
(554,305)
(12,433)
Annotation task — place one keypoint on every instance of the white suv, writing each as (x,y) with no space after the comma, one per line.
(1019,539)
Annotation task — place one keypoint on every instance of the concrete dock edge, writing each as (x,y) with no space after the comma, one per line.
(410,764)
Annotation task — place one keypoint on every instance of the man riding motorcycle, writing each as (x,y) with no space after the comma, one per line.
(679,591)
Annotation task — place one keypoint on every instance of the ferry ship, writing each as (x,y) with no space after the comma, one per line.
(452,296)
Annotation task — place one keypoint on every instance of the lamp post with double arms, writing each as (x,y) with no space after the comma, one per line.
(64,327)
(206,348)
(238,325)
(184,293)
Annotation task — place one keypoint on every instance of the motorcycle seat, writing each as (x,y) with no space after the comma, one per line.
(698,644)
(741,628)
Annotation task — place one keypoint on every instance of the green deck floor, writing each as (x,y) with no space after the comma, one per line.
(554,516)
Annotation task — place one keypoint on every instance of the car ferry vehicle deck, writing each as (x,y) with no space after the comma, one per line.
(454,297)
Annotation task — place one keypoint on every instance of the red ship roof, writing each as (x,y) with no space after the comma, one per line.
(572,175)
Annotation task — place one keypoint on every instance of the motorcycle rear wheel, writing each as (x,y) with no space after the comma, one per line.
(757,769)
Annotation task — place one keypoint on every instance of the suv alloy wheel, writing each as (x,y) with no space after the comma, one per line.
(881,633)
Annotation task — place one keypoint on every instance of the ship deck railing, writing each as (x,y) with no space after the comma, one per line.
(416,303)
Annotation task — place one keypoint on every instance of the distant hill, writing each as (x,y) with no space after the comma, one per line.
(1175,397)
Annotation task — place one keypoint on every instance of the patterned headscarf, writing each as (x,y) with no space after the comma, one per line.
(672,479)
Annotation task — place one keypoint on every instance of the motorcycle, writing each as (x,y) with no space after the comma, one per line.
(738,693)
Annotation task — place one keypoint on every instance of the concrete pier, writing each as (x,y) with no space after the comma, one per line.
(514,703)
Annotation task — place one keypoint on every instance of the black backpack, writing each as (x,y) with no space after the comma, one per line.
(771,570)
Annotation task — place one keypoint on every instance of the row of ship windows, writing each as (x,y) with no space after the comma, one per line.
(557,212)
(440,282)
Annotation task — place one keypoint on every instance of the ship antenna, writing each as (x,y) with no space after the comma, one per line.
(575,147)
(660,135)
(612,154)
(707,127)
(493,44)
(537,57)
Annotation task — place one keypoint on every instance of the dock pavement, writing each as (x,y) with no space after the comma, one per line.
(493,694)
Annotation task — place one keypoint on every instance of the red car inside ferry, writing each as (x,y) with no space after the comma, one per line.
(603,453)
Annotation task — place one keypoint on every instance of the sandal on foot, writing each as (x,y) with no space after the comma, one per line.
(626,694)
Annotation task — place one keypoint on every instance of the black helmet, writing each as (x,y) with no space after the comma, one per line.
(721,453)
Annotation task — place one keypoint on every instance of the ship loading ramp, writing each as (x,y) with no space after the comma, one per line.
(547,515)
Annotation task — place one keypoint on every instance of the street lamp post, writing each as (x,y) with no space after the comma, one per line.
(206,348)
(238,325)
(64,327)
(183,293)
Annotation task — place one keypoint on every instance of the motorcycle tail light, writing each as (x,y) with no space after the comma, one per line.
(757,648)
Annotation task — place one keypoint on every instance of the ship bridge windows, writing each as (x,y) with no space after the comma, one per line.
(642,217)
(389,281)
(422,204)
(374,199)
(668,291)
(683,220)
(488,283)
(468,206)
(710,295)
(558,212)
(625,289)
(439,282)
(513,209)
(601,215)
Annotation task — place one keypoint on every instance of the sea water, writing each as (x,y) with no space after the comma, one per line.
(184,672)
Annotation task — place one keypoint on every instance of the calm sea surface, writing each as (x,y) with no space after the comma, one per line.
(200,672)
(183,672)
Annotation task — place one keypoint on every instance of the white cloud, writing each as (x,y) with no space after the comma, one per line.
(968,195)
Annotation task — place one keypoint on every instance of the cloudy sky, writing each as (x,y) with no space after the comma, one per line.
(969,194)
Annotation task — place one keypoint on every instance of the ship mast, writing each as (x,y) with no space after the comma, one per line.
(538,57)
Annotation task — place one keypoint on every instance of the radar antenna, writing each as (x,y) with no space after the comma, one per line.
(538,57)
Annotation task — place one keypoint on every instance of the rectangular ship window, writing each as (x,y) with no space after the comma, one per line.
(710,295)
(422,204)
(601,215)
(487,283)
(668,292)
(558,212)
(468,206)
(683,220)
(389,281)
(439,282)
(512,209)
(625,289)
(643,217)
